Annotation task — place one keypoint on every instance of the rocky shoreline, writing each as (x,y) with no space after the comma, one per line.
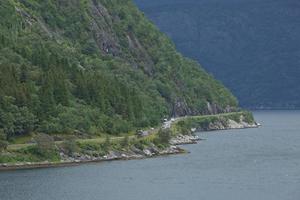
(185,139)
(231,124)
(133,152)
(129,154)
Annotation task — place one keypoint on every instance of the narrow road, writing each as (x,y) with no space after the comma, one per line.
(165,125)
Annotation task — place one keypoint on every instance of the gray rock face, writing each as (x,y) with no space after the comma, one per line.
(104,35)
(184,139)
(231,124)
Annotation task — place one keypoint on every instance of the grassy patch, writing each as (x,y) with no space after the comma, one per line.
(29,154)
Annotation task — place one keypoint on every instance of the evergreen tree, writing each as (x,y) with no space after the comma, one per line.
(46,96)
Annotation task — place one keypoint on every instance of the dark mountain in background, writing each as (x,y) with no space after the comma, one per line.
(252,46)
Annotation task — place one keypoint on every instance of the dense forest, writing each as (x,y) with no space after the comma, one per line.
(94,66)
(252,46)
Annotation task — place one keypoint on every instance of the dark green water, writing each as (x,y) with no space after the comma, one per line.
(250,164)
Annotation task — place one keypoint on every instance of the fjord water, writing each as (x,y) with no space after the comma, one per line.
(244,164)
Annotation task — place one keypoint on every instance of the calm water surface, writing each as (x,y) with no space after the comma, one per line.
(252,164)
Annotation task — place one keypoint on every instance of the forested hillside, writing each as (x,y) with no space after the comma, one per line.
(94,66)
(252,46)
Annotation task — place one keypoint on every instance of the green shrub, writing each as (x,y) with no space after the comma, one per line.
(70,146)
(248,117)
(164,136)
(139,145)
(34,154)
(45,144)
(125,142)
(90,146)
(107,144)
(3,142)
(3,145)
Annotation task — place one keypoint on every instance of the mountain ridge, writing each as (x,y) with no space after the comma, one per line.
(94,66)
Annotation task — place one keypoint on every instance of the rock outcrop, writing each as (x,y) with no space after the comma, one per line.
(184,139)
(231,124)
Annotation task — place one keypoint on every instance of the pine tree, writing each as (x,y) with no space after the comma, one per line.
(46,95)
(24,74)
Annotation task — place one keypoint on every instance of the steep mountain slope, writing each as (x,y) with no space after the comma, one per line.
(92,66)
(252,46)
